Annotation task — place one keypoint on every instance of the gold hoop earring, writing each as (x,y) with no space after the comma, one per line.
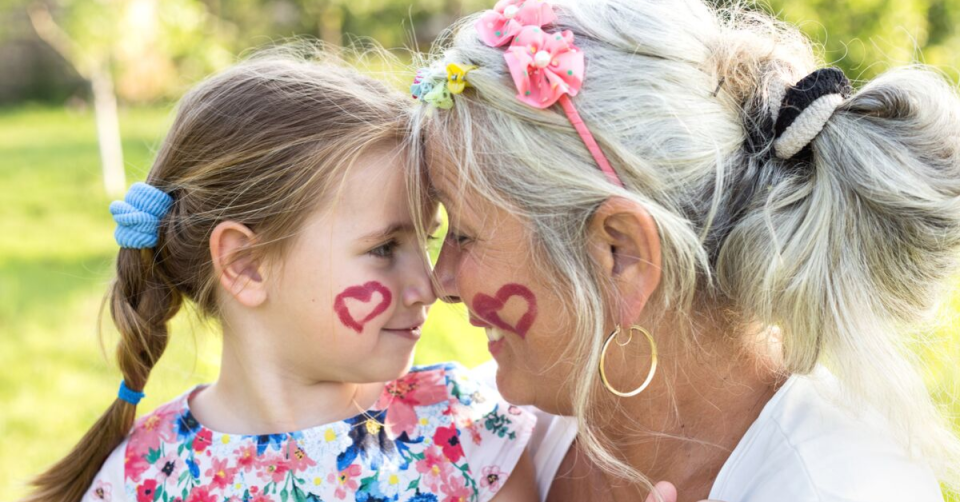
(653,363)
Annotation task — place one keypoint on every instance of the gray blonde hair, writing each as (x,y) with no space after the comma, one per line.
(843,252)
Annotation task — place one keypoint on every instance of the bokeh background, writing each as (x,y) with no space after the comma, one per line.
(87,89)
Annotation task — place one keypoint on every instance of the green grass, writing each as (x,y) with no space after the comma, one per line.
(56,258)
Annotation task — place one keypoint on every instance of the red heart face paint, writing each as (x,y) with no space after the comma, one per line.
(488,308)
(363,294)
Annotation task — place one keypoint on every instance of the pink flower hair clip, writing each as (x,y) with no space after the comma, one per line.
(502,23)
(546,67)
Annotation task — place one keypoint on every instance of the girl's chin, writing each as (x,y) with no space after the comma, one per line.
(388,365)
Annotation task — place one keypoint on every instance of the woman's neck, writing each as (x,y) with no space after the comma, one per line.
(258,392)
(714,395)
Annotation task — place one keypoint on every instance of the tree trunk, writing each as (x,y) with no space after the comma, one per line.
(331,25)
(108,132)
(104,99)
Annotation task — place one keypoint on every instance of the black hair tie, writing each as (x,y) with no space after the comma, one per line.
(806,108)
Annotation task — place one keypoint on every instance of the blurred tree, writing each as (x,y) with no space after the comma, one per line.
(867,37)
(91,59)
(136,47)
(141,50)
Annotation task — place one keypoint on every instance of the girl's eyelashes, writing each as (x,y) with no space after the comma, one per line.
(385,250)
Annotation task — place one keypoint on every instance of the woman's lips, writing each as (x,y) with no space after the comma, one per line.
(495,346)
(495,337)
(495,340)
(478,323)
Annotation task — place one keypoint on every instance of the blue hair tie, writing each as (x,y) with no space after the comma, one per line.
(138,216)
(131,396)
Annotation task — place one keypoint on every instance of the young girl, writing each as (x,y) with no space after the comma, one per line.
(277,205)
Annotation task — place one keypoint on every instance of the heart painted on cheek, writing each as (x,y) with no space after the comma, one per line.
(363,294)
(488,308)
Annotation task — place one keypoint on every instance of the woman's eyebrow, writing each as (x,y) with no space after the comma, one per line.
(436,192)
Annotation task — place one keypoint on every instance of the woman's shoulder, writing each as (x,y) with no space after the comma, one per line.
(810,444)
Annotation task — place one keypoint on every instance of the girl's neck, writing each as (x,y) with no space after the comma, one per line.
(256,393)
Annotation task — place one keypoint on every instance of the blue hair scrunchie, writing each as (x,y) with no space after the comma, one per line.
(138,216)
(131,396)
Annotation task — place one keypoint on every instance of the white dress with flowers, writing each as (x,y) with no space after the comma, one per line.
(445,437)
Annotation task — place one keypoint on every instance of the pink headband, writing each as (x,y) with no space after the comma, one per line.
(546,67)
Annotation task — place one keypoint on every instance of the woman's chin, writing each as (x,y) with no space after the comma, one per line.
(514,388)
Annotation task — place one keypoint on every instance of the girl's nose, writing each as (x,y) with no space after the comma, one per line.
(420,289)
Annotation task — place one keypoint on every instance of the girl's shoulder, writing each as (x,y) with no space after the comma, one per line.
(450,394)
(436,432)
(132,457)
(462,426)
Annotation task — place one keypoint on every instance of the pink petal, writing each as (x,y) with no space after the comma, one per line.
(503,4)
(536,13)
(569,70)
(530,36)
(401,418)
(496,30)
(558,43)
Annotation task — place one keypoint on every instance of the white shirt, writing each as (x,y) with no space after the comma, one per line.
(804,447)
(551,438)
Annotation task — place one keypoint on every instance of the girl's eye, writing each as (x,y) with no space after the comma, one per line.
(385,250)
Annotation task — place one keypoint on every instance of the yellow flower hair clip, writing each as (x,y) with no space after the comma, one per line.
(457,77)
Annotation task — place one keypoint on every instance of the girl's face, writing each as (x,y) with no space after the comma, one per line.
(486,263)
(353,290)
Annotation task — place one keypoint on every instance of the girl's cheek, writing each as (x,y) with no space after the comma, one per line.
(358,305)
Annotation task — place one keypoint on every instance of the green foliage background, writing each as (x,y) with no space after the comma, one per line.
(57,249)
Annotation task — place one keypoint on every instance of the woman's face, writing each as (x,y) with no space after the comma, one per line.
(486,262)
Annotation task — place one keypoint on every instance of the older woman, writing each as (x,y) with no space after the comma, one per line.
(677,230)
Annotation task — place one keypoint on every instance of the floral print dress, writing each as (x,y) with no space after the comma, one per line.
(436,434)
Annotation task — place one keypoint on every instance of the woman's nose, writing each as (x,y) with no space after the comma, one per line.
(445,276)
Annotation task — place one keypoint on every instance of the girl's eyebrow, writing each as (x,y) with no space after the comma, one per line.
(392,229)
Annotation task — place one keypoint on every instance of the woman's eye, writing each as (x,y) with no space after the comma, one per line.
(456,238)
(385,250)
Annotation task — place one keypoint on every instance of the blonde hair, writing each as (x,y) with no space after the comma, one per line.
(842,251)
(262,143)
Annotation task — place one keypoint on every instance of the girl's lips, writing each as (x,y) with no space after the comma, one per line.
(413,333)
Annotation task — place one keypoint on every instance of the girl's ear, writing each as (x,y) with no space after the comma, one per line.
(625,242)
(239,272)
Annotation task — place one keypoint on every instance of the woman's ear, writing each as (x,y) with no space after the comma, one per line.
(625,242)
(239,271)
